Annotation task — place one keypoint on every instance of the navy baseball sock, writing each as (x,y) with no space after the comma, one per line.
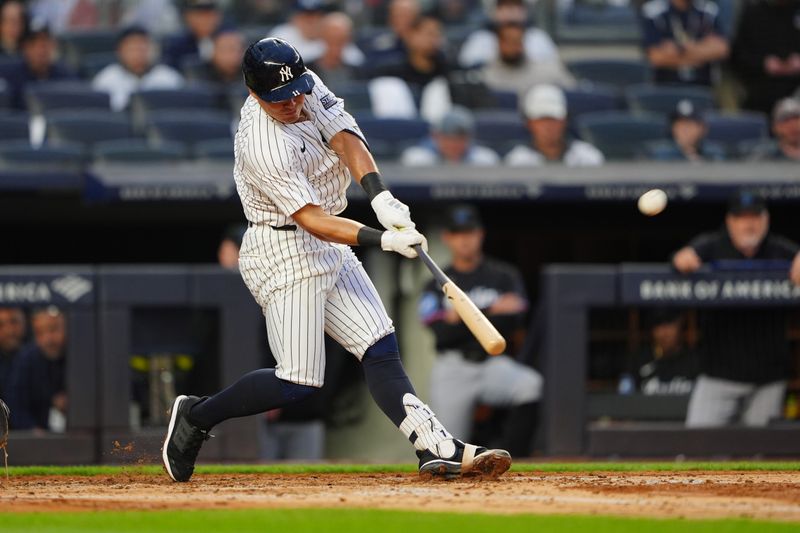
(386,378)
(255,392)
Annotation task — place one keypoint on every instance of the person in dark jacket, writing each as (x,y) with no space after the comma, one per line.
(37,390)
(12,336)
(203,18)
(745,352)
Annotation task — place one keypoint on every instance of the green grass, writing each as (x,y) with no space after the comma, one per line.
(353,520)
(584,467)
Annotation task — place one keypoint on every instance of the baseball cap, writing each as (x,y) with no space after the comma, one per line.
(463,217)
(545,101)
(457,121)
(132,30)
(685,109)
(37,28)
(746,202)
(200,4)
(662,315)
(785,109)
(310,6)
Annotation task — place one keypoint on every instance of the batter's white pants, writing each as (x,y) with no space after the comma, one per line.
(306,288)
(718,402)
(457,385)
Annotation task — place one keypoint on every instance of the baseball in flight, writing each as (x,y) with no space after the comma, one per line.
(652,202)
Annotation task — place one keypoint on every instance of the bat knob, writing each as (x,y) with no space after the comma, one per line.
(495,346)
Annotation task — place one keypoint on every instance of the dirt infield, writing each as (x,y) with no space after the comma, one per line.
(762,495)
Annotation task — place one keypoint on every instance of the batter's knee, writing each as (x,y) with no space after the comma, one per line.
(295,392)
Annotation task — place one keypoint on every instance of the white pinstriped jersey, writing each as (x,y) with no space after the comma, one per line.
(282,167)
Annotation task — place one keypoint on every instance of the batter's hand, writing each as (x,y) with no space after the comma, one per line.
(392,213)
(402,242)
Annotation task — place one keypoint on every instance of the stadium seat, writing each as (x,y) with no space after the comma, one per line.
(43,98)
(500,130)
(15,153)
(94,62)
(621,135)
(388,137)
(150,103)
(646,98)
(5,95)
(14,127)
(215,150)
(189,127)
(356,97)
(664,150)
(138,151)
(236,97)
(507,100)
(86,127)
(616,72)
(732,129)
(591,99)
(74,46)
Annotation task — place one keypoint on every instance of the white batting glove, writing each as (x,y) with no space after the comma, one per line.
(402,242)
(392,213)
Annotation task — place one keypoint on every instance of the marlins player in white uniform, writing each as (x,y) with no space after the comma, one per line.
(296,149)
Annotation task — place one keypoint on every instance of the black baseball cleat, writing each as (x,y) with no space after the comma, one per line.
(183,440)
(467,460)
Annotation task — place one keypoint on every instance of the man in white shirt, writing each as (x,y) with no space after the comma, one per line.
(545,108)
(134,70)
(451,142)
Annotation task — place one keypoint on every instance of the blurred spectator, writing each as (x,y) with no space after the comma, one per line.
(203,18)
(545,108)
(424,60)
(451,142)
(481,46)
(159,17)
(460,11)
(513,70)
(304,29)
(688,128)
(766,52)
(683,40)
(39,63)
(12,335)
(666,366)
(786,127)
(229,246)
(389,46)
(225,65)
(134,69)
(13,25)
(63,16)
(463,375)
(38,397)
(339,63)
(746,358)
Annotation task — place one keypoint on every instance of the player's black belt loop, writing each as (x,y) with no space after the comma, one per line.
(287,227)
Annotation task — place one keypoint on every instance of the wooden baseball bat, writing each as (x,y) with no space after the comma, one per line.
(476,321)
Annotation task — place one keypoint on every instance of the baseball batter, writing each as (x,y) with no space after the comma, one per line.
(296,149)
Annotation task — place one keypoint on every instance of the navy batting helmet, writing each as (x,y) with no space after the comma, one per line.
(274,70)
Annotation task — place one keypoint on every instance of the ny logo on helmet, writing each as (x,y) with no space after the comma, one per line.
(286,74)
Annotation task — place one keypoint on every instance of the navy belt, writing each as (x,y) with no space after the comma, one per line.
(286,227)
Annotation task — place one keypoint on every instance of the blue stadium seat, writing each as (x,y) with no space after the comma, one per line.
(591,99)
(500,130)
(74,46)
(86,127)
(5,94)
(189,127)
(664,98)
(215,150)
(621,135)
(138,151)
(388,137)
(151,103)
(236,97)
(14,127)
(94,62)
(617,72)
(734,128)
(16,153)
(356,96)
(505,100)
(43,98)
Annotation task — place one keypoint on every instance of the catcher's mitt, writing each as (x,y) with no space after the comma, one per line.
(5,413)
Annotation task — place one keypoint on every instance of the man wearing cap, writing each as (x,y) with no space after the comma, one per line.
(688,128)
(786,127)
(463,376)
(545,108)
(133,70)
(203,19)
(452,143)
(745,353)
